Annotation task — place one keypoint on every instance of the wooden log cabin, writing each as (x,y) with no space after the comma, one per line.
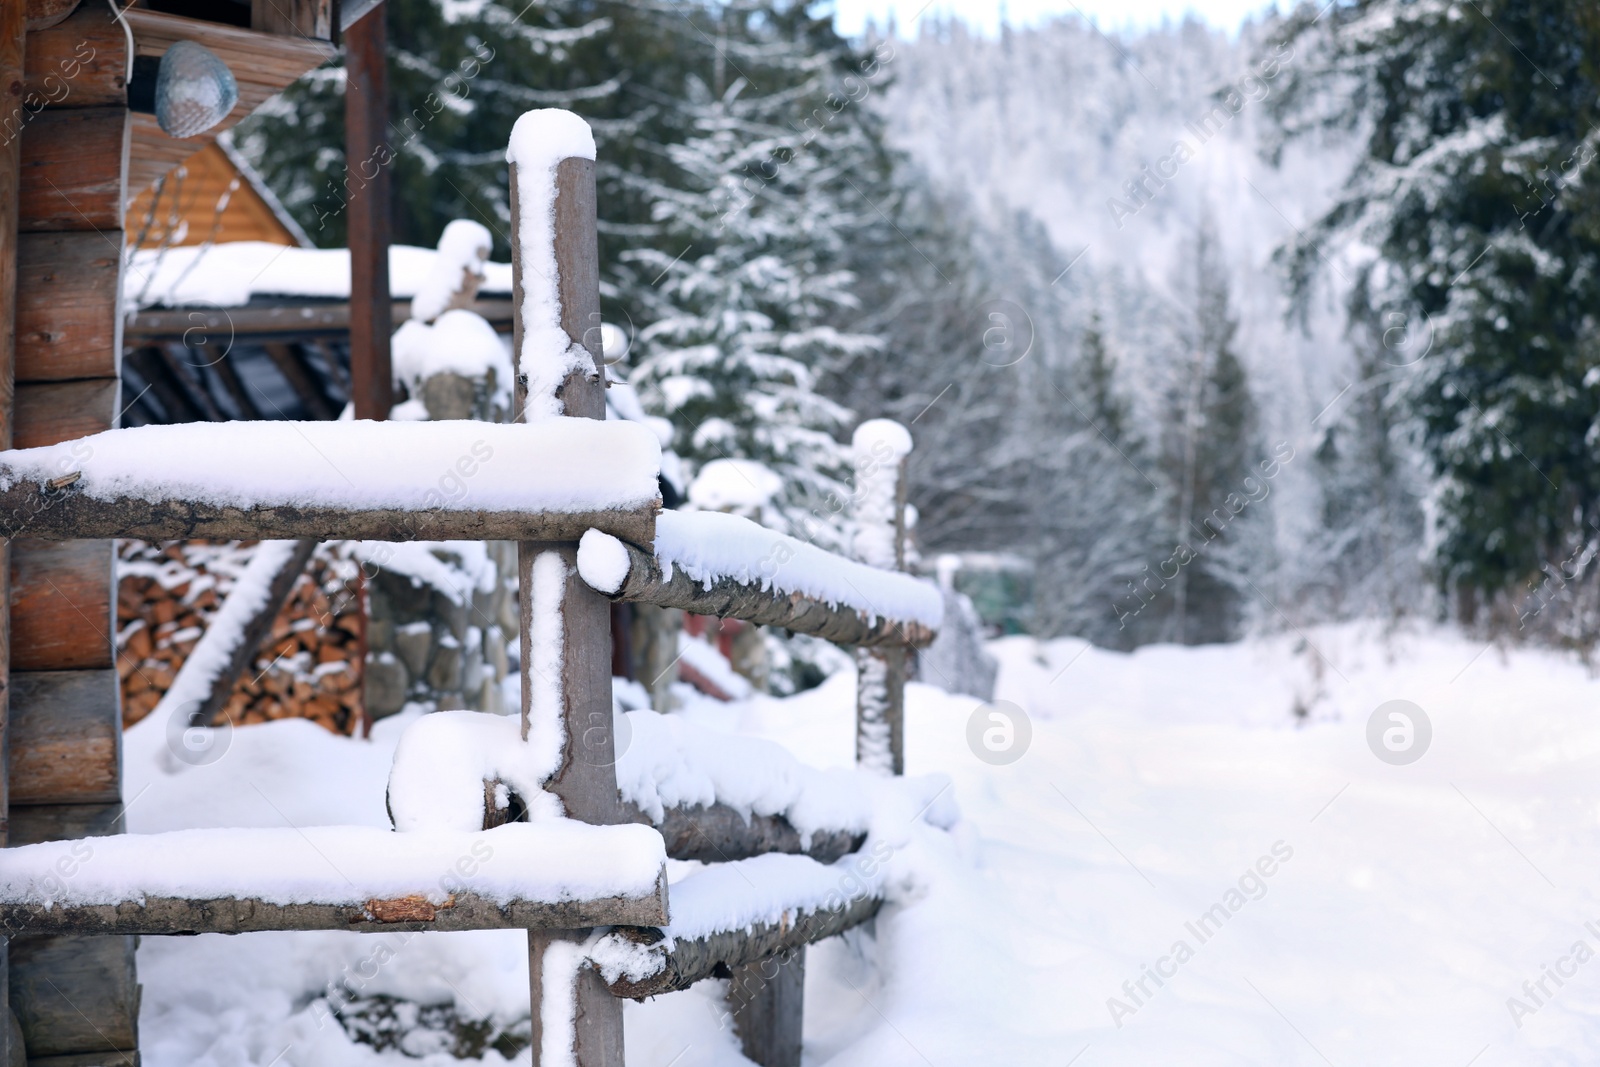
(74,155)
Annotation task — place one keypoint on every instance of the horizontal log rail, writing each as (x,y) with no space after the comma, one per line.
(460,911)
(277,321)
(720,833)
(689,960)
(40,511)
(732,599)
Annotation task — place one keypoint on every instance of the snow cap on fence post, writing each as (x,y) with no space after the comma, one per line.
(881,447)
(553,318)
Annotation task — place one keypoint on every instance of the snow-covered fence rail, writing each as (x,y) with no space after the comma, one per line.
(527,876)
(647,962)
(719,833)
(715,564)
(401,481)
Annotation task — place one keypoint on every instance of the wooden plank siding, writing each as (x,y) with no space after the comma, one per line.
(49,412)
(212,201)
(76,999)
(67,321)
(81,153)
(13,48)
(61,593)
(72,167)
(80,62)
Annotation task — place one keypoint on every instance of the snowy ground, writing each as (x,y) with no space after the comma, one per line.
(1413,902)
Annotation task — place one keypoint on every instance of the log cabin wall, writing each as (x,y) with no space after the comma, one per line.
(73,997)
(77,999)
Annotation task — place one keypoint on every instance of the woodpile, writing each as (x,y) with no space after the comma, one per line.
(309,667)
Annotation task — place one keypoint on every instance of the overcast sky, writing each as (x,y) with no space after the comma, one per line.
(985,14)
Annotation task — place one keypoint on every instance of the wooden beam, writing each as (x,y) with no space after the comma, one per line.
(692,959)
(43,14)
(13,47)
(61,593)
(66,737)
(30,510)
(176,402)
(48,413)
(13,36)
(292,364)
(578,257)
(293,18)
(222,362)
(721,833)
(81,61)
(68,322)
(586,782)
(767,1001)
(462,911)
(367,160)
(256,629)
(33,823)
(75,996)
(73,162)
(288,321)
(646,583)
(193,387)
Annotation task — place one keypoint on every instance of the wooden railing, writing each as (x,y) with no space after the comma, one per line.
(576,553)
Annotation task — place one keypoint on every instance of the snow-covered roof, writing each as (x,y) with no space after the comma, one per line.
(232,273)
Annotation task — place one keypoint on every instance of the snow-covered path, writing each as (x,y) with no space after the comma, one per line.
(1404,904)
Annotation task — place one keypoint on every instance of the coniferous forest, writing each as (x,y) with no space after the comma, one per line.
(1205,333)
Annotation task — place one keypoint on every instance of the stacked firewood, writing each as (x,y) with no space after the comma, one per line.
(309,667)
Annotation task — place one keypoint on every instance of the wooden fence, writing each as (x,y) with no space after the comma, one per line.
(585,953)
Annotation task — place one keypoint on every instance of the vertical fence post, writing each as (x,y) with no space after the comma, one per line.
(13,39)
(767,1002)
(586,782)
(880,449)
(367,160)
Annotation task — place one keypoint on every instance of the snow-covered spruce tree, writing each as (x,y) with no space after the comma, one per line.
(1477,189)
(1372,481)
(459,76)
(1211,453)
(1100,535)
(745,309)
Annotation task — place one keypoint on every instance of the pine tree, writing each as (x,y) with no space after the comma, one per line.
(745,309)
(1211,447)
(1476,190)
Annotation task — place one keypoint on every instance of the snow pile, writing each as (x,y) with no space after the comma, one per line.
(540,140)
(225,630)
(1152,782)
(571,465)
(459,268)
(738,485)
(549,861)
(444,758)
(231,273)
(458,342)
(709,546)
(671,762)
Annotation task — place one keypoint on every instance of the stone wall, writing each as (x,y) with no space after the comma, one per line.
(442,643)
